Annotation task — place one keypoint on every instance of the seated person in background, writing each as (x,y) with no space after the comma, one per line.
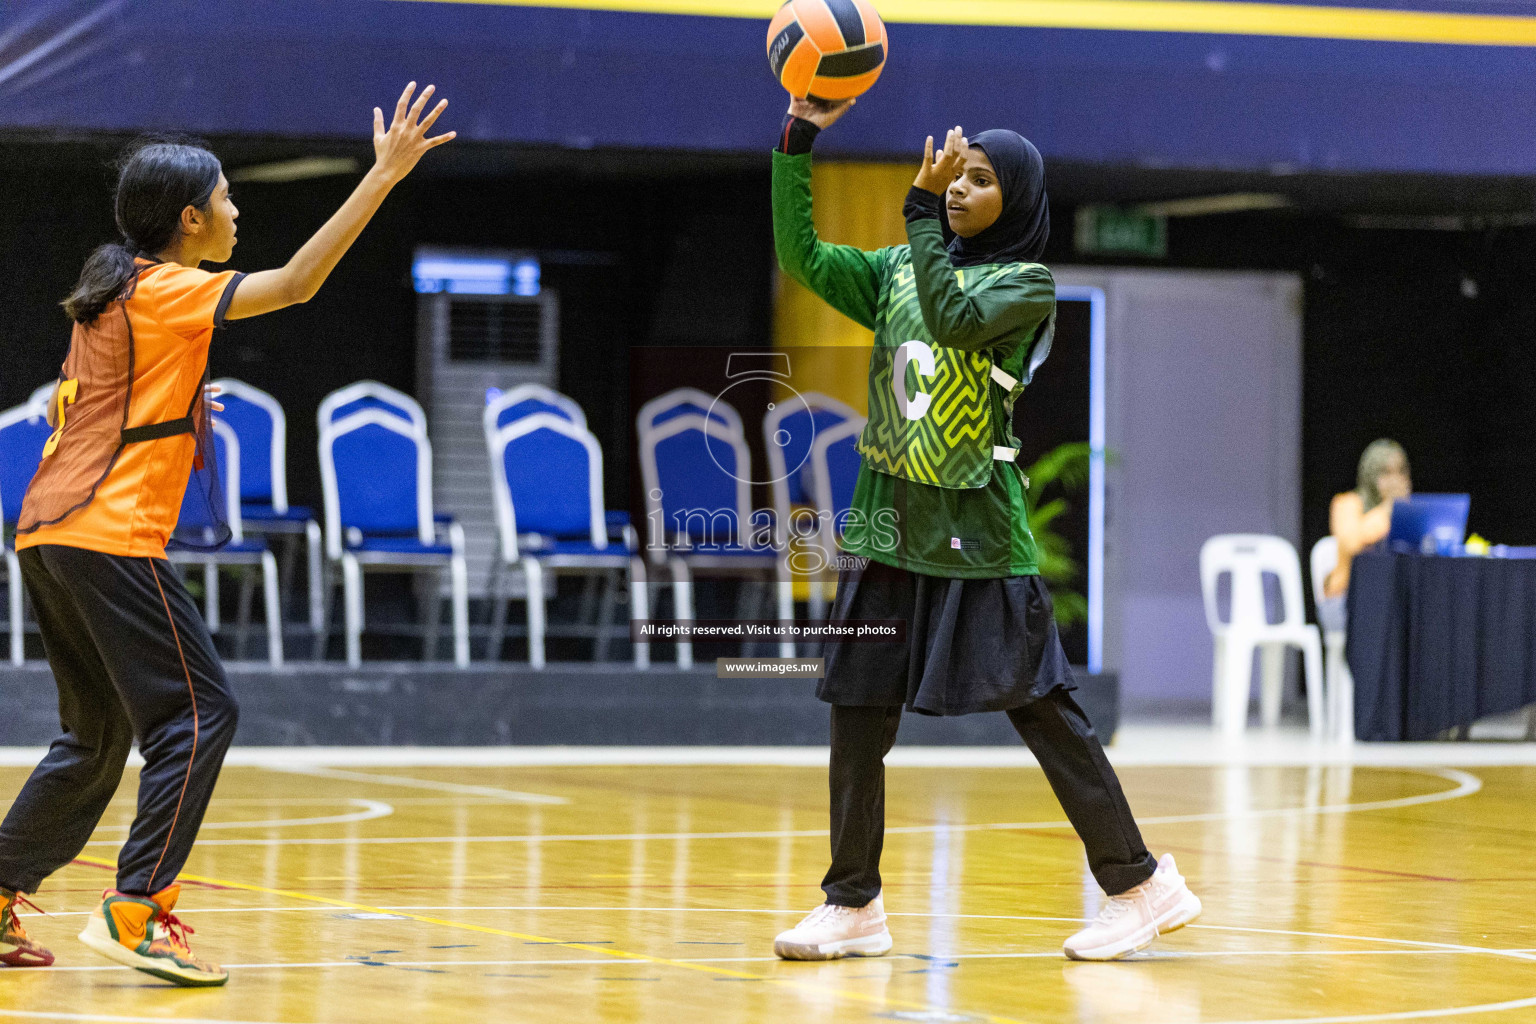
(1362,517)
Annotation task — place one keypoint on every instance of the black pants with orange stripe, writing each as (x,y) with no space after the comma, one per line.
(132,658)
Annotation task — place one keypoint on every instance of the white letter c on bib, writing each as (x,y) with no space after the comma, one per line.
(913,407)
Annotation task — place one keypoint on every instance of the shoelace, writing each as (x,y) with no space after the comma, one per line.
(18,900)
(1119,906)
(1116,908)
(825,911)
(176,931)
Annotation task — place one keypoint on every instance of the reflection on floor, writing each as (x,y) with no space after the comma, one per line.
(1396,885)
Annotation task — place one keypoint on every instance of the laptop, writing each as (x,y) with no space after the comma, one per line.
(1429,523)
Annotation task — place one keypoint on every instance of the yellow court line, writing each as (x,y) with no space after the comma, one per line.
(1218,17)
(619,954)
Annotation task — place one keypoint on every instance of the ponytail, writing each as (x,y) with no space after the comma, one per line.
(156,181)
(106,273)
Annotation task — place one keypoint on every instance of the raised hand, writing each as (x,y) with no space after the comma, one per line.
(939,169)
(821,113)
(397,150)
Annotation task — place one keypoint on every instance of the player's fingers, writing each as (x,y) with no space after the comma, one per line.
(403,103)
(928,152)
(421,102)
(433,115)
(438,140)
(378,122)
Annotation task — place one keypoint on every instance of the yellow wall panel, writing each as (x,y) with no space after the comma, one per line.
(856,204)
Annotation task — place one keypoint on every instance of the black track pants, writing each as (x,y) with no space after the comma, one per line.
(1056,731)
(131,657)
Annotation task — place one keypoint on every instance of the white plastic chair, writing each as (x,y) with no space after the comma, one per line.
(1247,557)
(1341,685)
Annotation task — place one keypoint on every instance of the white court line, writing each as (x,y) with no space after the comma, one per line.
(1137,747)
(927,958)
(407,782)
(1369,1018)
(116,1019)
(1466,785)
(368,811)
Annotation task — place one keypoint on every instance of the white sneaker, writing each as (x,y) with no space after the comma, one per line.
(830,932)
(1131,920)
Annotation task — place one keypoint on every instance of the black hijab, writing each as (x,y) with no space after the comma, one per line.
(1021,229)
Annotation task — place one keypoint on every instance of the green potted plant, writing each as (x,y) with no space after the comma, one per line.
(1064,470)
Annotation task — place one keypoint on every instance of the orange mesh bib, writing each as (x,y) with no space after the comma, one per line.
(92,410)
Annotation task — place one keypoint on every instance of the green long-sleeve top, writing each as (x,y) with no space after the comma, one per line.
(912,292)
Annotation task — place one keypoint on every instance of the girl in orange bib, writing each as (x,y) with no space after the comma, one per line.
(130,654)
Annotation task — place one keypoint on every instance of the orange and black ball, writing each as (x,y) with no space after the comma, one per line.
(827,49)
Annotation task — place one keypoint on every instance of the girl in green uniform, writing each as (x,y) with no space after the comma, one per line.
(938,530)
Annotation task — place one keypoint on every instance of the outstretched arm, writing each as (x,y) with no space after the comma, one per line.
(847,277)
(396,152)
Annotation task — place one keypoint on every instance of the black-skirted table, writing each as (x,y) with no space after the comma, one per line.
(1436,643)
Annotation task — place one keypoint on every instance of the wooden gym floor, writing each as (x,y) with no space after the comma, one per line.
(625,894)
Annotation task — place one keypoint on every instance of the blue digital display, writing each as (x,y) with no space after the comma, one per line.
(434,272)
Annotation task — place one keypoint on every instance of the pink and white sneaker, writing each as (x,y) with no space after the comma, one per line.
(830,932)
(1131,920)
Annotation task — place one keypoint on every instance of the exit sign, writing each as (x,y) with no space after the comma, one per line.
(1114,230)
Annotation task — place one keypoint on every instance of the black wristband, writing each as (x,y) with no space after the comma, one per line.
(797,135)
(920,205)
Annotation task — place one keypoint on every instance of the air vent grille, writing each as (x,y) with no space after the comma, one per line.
(495,331)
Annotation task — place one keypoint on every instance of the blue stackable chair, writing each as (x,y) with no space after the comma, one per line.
(196,525)
(370,394)
(790,428)
(376,470)
(23,431)
(262,426)
(696,466)
(527,399)
(834,470)
(547,479)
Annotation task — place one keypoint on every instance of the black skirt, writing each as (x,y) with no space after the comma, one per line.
(971,645)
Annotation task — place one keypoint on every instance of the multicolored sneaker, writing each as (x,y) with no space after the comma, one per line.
(830,932)
(141,932)
(16,949)
(1131,920)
